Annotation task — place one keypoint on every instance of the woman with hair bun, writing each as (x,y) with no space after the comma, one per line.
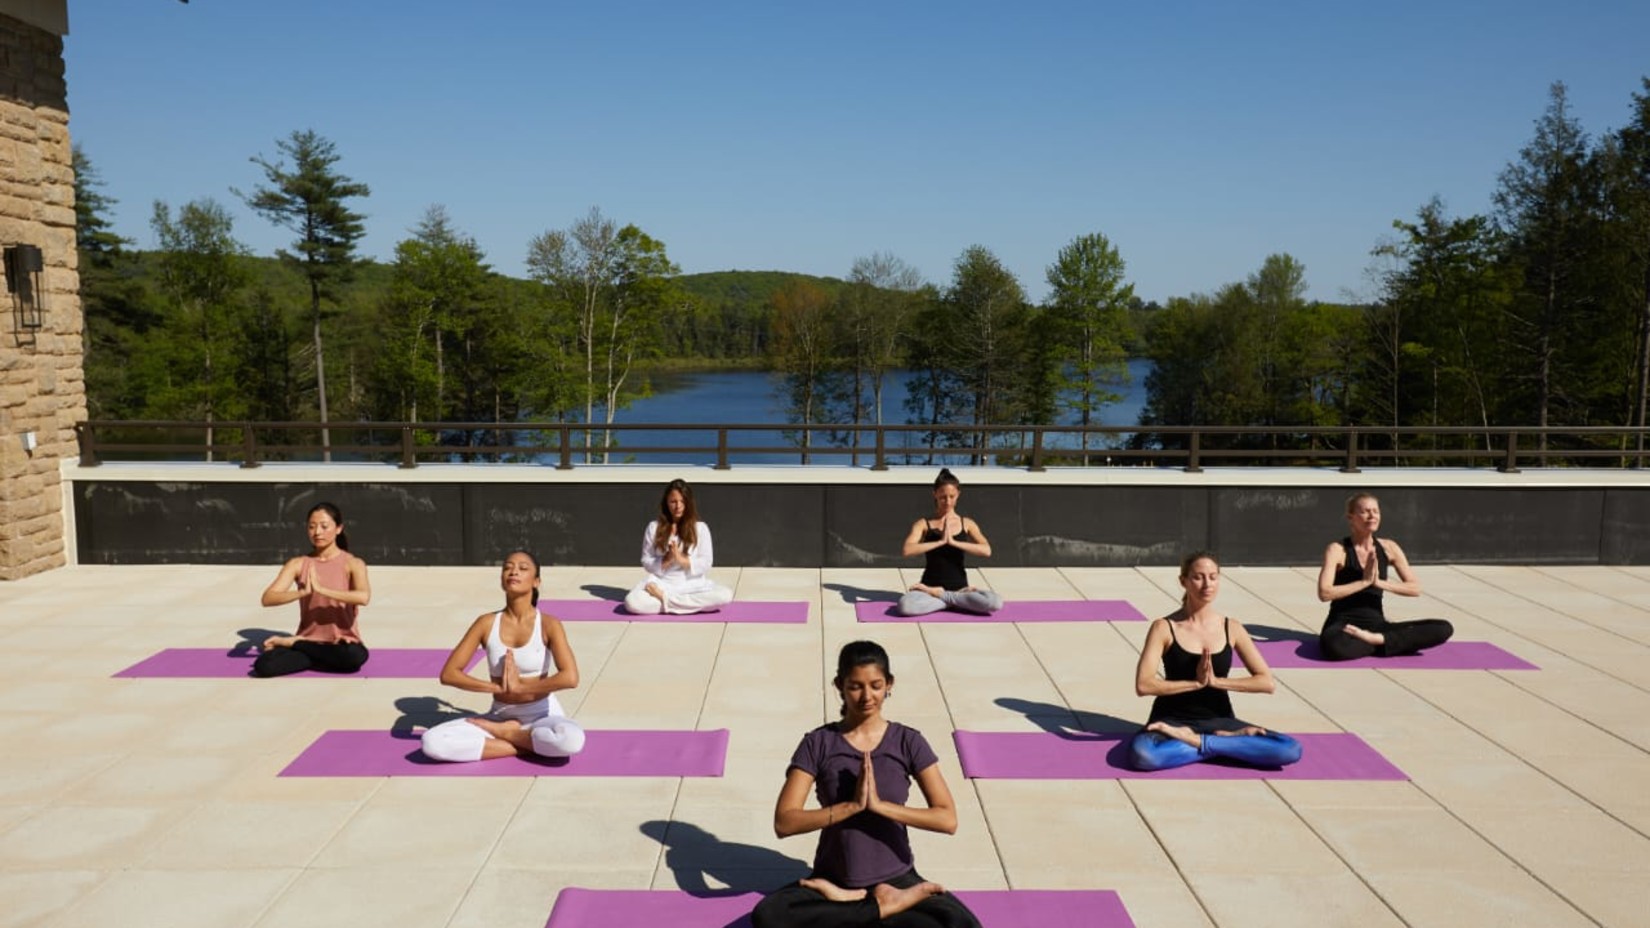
(860,770)
(677,555)
(525,718)
(329,585)
(1356,572)
(943,539)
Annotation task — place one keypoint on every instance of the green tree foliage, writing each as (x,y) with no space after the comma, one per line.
(1625,167)
(803,346)
(308,197)
(1087,318)
(201,275)
(113,299)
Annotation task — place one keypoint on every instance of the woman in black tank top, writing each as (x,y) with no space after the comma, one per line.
(1356,572)
(943,540)
(1186,664)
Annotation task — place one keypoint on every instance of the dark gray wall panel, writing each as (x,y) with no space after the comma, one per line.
(1626,535)
(1526,526)
(1107,526)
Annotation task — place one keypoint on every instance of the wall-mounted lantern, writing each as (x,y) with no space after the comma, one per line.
(24,269)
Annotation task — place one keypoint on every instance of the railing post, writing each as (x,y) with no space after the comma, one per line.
(1037,452)
(566,447)
(881,463)
(1193,464)
(721,449)
(1510,465)
(409,460)
(249,442)
(85,434)
(1351,465)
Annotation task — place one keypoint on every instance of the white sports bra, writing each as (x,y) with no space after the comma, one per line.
(533,659)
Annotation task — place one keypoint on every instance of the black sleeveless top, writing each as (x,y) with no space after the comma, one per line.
(944,567)
(1367,601)
(1181,664)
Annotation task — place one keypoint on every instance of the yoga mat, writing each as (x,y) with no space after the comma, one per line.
(1003,755)
(1451,655)
(382,663)
(1022,610)
(603,610)
(996,908)
(609,753)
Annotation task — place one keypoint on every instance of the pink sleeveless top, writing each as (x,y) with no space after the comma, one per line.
(322,618)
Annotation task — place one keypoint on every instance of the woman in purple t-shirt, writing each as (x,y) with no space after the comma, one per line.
(861,770)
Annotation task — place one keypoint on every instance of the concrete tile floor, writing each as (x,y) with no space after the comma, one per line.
(155,802)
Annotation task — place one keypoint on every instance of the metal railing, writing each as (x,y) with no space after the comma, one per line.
(1034,447)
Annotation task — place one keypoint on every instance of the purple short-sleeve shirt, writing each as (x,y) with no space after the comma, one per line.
(864,849)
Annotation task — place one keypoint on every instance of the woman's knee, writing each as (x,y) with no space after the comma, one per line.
(1144,754)
(453,742)
(1286,750)
(641,602)
(917,602)
(563,738)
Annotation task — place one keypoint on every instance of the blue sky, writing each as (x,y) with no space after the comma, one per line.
(1198,136)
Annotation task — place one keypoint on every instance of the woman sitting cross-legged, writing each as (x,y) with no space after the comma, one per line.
(523,679)
(1191,718)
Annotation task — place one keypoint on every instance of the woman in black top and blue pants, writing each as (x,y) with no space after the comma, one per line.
(1191,717)
(943,540)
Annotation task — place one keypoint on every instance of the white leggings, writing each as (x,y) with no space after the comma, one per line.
(640,602)
(979,602)
(461,741)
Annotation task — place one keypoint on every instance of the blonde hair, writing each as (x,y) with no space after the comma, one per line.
(1352,501)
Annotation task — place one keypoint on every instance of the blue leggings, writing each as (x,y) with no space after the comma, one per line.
(1151,750)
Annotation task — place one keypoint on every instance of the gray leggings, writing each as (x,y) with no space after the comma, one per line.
(979,602)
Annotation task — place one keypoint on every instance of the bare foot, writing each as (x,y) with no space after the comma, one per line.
(279,641)
(1246,730)
(933,591)
(1178,733)
(654,590)
(1375,638)
(891,901)
(832,891)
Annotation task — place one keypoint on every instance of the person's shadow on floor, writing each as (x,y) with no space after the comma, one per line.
(1274,633)
(695,856)
(421,712)
(1049,717)
(252,641)
(612,594)
(854,594)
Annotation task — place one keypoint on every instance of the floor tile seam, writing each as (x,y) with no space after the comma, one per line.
(1510,857)
(1543,606)
(1512,678)
(1532,641)
(57,917)
(1522,760)
(269,906)
(1644,612)
(1330,847)
(1163,848)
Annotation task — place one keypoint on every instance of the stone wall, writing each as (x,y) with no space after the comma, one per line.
(42,388)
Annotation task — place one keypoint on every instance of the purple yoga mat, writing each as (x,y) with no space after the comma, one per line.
(1004,755)
(603,610)
(607,753)
(382,663)
(1021,610)
(995,908)
(1451,655)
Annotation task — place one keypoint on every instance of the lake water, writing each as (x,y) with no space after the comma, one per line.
(753,397)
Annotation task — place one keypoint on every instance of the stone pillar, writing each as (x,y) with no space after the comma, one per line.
(42,388)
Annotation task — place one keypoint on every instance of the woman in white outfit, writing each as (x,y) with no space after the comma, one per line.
(528,661)
(677,554)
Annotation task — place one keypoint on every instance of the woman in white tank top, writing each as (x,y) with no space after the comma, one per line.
(523,678)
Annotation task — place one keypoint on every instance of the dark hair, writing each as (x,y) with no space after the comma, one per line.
(858,654)
(1190,559)
(946,477)
(686,531)
(331,509)
(536,570)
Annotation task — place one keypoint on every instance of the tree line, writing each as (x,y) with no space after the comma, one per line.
(1535,314)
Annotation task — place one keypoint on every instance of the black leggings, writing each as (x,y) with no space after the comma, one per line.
(1401,637)
(796,906)
(343,657)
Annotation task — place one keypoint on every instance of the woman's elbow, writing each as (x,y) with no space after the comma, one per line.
(1266,684)
(948,823)
(571,678)
(268,599)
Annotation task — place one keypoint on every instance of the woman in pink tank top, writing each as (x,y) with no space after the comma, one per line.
(329,585)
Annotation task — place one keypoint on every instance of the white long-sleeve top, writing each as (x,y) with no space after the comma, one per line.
(674,578)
